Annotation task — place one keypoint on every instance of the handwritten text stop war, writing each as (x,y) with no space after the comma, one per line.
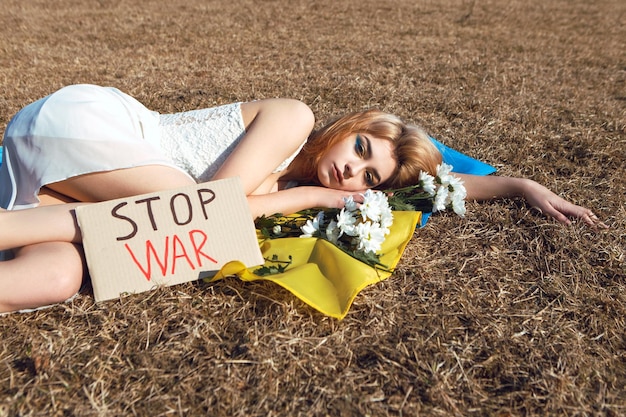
(188,248)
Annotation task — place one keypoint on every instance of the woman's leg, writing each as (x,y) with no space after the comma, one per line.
(40,275)
(109,185)
(38,225)
(48,268)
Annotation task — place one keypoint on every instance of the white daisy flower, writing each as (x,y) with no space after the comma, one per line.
(443,172)
(370,236)
(427,182)
(441,199)
(345,222)
(312,227)
(333,232)
(349,203)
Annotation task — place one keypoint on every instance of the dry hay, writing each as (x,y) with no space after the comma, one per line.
(504,313)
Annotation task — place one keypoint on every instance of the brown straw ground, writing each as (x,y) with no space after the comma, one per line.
(503,313)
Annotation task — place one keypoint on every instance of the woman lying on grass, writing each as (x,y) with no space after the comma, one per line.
(86,143)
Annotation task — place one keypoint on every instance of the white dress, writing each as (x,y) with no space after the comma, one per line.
(84,129)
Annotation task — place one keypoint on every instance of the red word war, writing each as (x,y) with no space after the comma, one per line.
(173,250)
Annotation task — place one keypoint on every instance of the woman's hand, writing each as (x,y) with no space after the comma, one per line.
(552,205)
(482,188)
(331,198)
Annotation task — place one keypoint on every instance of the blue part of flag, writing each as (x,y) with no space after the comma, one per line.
(462,163)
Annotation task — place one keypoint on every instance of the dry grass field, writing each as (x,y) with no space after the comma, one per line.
(503,313)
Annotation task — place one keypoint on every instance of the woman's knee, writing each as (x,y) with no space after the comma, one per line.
(56,270)
(69,271)
(66,283)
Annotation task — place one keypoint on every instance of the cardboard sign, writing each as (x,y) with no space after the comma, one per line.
(137,243)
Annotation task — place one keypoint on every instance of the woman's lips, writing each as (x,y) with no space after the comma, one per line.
(337,175)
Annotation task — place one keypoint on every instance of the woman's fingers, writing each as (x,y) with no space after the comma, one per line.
(592,220)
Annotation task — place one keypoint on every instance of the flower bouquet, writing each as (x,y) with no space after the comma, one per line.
(361,229)
(431,194)
(358,230)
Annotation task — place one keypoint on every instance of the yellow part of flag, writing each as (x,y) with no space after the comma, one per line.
(322,275)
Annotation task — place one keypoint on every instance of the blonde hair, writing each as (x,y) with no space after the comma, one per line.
(414,152)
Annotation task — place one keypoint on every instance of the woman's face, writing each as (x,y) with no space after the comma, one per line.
(358,162)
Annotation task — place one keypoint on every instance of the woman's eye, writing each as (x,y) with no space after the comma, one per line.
(369,179)
(360,149)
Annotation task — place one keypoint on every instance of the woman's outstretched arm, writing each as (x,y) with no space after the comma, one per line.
(482,188)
